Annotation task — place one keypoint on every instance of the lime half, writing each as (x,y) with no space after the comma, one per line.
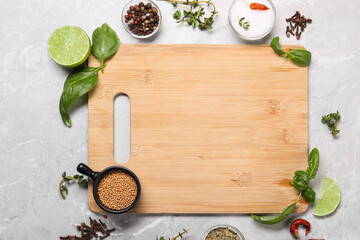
(329,198)
(69,46)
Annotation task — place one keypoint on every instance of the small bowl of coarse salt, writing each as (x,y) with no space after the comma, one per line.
(115,189)
(252,20)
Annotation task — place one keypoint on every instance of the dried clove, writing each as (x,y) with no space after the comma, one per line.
(90,232)
(297,23)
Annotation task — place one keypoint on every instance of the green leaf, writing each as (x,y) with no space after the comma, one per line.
(270,220)
(177,15)
(276,46)
(67,179)
(64,190)
(105,43)
(175,4)
(309,195)
(78,83)
(313,163)
(300,57)
(300,180)
(63,175)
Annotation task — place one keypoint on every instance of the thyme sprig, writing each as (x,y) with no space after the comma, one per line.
(244,25)
(193,13)
(332,120)
(180,235)
(68,179)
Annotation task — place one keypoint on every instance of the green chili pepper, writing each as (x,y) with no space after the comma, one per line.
(270,220)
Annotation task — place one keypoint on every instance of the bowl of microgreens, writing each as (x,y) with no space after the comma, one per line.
(141,18)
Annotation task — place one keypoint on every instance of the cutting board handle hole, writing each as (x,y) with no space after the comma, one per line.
(122,128)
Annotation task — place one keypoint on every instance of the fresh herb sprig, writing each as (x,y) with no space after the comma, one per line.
(301,178)
(68,179)
(193,13)
(332,120)
(180,235)
(83,79)
(301,183)
(300,57)
(244,25)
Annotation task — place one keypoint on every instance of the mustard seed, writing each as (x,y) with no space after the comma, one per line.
(117,190)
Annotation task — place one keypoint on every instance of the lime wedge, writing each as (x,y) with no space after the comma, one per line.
(69,46)
(329,198)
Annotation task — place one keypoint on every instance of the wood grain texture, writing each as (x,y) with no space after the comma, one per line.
(214,128)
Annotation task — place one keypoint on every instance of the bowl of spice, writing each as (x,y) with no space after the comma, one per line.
(223,232)
(115,189)
(252,19)
(141,19)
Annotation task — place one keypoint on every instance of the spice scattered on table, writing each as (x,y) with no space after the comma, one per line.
(222,233)
(296,25)
(97,230)
(117,190)
(142,19)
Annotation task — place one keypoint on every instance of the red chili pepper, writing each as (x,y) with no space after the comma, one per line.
(135,22)
(295,225)
(130,15)
(258,6)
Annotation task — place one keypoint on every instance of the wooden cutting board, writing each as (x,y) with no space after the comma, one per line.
(214,128)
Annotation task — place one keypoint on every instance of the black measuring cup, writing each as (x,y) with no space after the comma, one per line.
(96,176)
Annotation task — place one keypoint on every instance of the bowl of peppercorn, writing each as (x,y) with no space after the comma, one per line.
(141,18)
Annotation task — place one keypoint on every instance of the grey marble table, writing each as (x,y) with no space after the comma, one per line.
(35,146)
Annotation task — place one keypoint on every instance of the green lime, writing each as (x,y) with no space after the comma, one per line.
(69,46)
(329,198)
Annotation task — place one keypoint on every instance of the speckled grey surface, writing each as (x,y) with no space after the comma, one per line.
(35,146)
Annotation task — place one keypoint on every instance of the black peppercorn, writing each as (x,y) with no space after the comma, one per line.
(142,19)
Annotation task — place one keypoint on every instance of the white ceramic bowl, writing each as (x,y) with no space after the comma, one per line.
(254,37)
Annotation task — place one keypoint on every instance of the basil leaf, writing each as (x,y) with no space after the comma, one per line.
(270,220)
(276,46)
(309,195)
(300,57)
(300,180)
(105,43)
(314,160)
(78,83)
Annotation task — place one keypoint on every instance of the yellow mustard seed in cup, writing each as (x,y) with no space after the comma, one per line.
(117,190)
